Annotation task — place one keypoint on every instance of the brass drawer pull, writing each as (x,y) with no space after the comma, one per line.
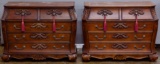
(96,26)
(58,48)
(139,38)
(139,48)
(100,48)
(62,26)
(16,27)
(23,47)
(23,36)
(54,36)
(140,28)
(100,38)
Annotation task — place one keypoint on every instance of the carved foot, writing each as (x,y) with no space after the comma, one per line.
(72,57)
(86,57)
(153,57)
(5,57)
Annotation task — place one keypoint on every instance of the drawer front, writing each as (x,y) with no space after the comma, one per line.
(15,14)
(120,47)
(16,37)
(39,47)
(143,13)
(120,26)
(97,13)
(59,14)
(37,27)
(120,36)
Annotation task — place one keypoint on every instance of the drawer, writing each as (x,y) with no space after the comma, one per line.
(19,37)
(15,14)
(39,47)
(60,14)
(120,36)
(120,47)
(97,13)
(120,26)
(143,13)
(38,27)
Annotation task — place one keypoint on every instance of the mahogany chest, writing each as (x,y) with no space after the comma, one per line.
(39,30)
(119,30)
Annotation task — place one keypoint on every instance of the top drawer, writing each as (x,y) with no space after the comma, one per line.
(142,13)
(16,14)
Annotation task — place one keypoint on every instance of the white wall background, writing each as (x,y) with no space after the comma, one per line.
(79,9)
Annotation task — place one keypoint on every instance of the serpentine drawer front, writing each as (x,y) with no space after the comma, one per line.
(118,31)
(39,30)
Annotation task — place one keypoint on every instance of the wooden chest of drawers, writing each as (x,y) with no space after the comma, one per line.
(39,30)
(119,30)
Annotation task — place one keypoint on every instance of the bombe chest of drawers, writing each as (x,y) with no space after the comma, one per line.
(119,30)
(39,30)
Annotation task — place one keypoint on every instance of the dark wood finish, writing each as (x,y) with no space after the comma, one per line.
(124,38)
(39,41)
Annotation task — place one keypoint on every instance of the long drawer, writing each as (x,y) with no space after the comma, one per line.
(120,26)
(38,26)
(120,47)
(20,37)
(39,47)
(121,36)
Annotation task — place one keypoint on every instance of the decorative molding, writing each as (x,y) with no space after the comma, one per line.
(38,57)
(120,36)
(136,11)
(119,57)
(38,25)
(104,12)
(54,12)
(119,46)
(38,36)
(22,12)
(120,26)
(39,46)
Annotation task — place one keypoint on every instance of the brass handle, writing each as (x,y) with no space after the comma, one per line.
(62,26)
(58,38)
(23,36)
(23,47)
(100,38)
(58,48)
(139,38)
(16,27)
(139,48)
(100,48)
(96,26)
(140,28)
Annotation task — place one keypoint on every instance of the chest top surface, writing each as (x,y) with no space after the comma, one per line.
(37,11)
(120,11)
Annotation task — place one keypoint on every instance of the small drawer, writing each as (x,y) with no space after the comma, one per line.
(15,14)
(18,37)
(120,37)
(98,13)
(120,26)
(143,13)
(59,14)
(120,47)
(38,27)
(39,47)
